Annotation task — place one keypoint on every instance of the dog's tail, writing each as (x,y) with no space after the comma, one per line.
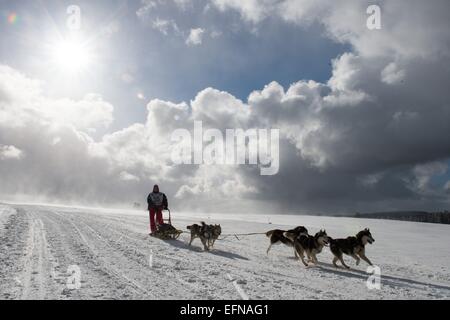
(269,233)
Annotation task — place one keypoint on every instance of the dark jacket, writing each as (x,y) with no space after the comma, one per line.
(157,200)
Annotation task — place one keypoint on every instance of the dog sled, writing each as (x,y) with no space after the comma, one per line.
(167,231)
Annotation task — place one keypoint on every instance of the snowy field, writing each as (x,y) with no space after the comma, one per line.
(107,254)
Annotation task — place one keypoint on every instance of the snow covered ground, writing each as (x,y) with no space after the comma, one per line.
(107,254)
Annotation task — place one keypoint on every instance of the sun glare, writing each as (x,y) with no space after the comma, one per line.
(71,56)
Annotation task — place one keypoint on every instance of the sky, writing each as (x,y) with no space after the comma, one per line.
(87,114)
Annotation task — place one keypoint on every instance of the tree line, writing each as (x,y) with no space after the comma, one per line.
(442,217)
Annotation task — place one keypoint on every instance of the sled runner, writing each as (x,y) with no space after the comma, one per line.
(167,231)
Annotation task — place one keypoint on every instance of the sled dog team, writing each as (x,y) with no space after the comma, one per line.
(298,238)
(311,245)
(302,242)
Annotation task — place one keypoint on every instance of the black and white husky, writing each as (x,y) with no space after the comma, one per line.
(352,246)
(311,245)
(286,237)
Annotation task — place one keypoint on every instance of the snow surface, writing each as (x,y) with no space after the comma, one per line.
(118,260)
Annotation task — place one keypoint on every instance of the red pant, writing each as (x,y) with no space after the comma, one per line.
(159,218)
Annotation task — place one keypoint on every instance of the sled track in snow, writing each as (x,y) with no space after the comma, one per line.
(132,248)
(110,270)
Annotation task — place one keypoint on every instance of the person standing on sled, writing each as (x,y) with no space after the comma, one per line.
(157,202)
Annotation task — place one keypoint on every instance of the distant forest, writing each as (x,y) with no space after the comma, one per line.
(416,216)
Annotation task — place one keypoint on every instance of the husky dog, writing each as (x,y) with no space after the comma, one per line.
(216,232)
(287,237)
(352,246)
(208,234)
(311,245)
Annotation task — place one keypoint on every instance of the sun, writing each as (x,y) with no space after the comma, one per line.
(71,56)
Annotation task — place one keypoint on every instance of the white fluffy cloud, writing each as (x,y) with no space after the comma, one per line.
(22,101)
(251,10)
(146,7)
(10,152)
(195,37)
(165,26)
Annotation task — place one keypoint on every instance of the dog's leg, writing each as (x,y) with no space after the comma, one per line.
(301,253)
(205,246)
(210,243)
(314,259)
(363,256)
(192,239)
(335,259)
(341,259)
(303,260)
(268,249)
(358,260)
(296,254)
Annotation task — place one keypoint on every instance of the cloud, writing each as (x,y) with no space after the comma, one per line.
(251,10)
(146,7)
(392,75)
(425,172)
(447,186)
(403,22)
(10,152)
(215,34)
(125,176)
(165,26)
(183,4)
(22,102)
(53,137)
(195,37)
